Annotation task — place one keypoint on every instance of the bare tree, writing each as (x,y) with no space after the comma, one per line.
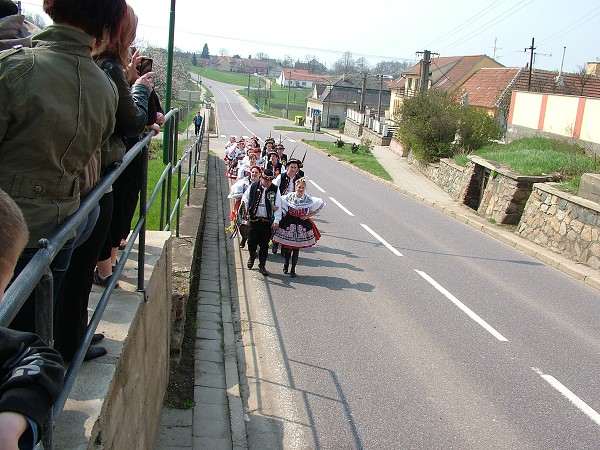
(345,64)
(35,18)
(287,61)
(362,65)
(181,75)
(582,78)
(261,56)
(223,52)
(392,68)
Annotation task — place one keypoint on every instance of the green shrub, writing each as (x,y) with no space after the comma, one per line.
(476,129)
(341,127)
(428,125)
(433,126)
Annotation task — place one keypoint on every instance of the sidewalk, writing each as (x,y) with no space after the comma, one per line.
(217,420)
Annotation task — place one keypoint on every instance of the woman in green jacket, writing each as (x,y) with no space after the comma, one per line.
(58,107)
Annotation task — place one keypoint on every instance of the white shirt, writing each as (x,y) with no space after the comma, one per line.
(262,208)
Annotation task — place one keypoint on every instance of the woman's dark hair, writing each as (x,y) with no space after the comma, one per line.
(96,17)
(8,8)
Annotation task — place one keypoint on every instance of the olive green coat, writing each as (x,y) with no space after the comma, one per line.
(57,107)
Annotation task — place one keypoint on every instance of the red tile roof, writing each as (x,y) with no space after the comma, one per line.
(486,87)
(546,81)
(446,71)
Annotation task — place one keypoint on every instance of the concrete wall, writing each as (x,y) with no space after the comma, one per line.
(551,115)
(117,400)
(132,407)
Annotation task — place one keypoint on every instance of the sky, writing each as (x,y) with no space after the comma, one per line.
(382,30)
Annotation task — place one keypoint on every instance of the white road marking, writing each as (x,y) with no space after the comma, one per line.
(317,186)
(462,307)
(383,241)
(341,206)
(569,395)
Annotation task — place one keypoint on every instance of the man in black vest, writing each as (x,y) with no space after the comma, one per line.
(263,203)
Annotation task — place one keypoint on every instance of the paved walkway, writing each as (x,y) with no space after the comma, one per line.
(217,419)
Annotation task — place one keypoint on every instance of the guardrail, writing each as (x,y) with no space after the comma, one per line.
(37,275)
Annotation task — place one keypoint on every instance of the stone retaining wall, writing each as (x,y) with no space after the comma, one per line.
(564,223)
(352,128)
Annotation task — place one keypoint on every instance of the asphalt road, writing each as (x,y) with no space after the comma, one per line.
(408,329)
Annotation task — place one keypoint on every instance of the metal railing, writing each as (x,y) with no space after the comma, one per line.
(38,276)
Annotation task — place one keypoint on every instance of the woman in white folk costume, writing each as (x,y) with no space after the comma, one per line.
(236,192)
(296,229)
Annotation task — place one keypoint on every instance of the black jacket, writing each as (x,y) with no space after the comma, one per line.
(31,376)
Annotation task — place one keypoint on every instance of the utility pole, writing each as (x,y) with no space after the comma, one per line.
(531,49)
(379,104)
(363,93)
(169,84)
(287,108)
(425,62)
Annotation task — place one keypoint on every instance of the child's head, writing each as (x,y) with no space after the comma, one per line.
(13,235)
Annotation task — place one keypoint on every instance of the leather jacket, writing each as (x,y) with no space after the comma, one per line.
(58,107)
(132,113)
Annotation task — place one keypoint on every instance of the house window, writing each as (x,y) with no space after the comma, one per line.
(410,84)
(304,83)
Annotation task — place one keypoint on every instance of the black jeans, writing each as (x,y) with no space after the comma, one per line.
(71,314)
(259,236)
(25,318)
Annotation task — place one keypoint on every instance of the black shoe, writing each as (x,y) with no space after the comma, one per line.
(274,248)
(97,337)
(94,352)
(251,262)
(293,274)
(285,268)
(262,270)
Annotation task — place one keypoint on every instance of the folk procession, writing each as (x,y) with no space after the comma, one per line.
(270,205)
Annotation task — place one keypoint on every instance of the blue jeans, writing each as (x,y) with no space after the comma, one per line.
(25,319)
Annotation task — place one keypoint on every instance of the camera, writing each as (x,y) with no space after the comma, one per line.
(145,66)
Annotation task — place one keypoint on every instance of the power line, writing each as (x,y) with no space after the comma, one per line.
(481,13)
(571,27)
(295,47)
(505,15)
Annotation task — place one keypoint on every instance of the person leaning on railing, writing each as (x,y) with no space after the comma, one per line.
(31,373)
(72,304)
(58,107)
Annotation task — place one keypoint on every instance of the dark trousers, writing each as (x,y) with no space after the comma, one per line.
(25,318)
(197,129)
(71,314)
(259,236)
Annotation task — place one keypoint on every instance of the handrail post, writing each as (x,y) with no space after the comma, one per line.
(171,152)
(143,217)
(44,307)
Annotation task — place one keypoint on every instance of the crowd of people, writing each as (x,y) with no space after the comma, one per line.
(74,101)
(271,205)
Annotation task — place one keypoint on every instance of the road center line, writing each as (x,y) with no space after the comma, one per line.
(341,206)
(380,239)
(317,186)
(463,307)
(569,395)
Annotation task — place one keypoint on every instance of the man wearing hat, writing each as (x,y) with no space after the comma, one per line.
(273,163)
(283,158)
(263,203)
